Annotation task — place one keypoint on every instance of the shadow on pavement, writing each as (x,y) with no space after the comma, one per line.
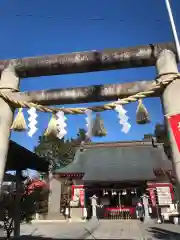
(32,238)
(44,238)
(160,233)
(25,237)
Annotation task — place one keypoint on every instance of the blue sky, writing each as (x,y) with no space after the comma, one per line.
(32,28)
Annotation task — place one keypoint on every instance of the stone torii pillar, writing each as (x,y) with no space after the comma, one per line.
(166,64)
(9,82)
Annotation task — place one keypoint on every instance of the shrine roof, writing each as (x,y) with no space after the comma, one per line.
(21,158)
(118,162)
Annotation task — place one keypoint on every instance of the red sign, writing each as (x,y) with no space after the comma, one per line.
(174,122)
(152,196)
(76,190)
(82,197)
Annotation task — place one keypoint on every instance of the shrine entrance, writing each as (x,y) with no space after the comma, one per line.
(115,202)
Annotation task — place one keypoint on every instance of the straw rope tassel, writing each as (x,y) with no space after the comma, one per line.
(98,129)
(19,123)
(52,129)
(142,115)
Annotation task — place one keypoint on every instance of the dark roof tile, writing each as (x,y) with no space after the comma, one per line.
(116,163)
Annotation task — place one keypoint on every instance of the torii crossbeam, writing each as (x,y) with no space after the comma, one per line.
(89,61)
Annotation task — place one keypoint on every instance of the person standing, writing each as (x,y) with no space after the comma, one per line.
(140,211)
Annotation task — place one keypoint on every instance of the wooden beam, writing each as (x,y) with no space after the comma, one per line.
(90,61)
(97,93)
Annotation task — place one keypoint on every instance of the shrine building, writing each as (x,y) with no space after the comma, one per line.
(118,174)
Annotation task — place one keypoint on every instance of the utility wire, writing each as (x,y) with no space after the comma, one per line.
(18,15)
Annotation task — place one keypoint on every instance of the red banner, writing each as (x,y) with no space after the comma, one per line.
(152,196)
(82,198)
(174,122)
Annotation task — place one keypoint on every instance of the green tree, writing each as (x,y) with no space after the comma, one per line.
(81,137)
(148,137)
(58,152)
(161,134)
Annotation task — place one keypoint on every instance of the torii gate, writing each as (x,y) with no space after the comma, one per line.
(166,86)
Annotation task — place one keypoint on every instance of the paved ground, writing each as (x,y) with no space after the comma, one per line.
(127,230)
(1,232)
(130,229)
(62,230)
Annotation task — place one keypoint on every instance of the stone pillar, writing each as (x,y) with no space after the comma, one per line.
(147,217)
(166,63)
(54,200)
(94,205)
(9,82)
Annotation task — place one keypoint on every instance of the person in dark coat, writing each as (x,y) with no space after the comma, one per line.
(140,211)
